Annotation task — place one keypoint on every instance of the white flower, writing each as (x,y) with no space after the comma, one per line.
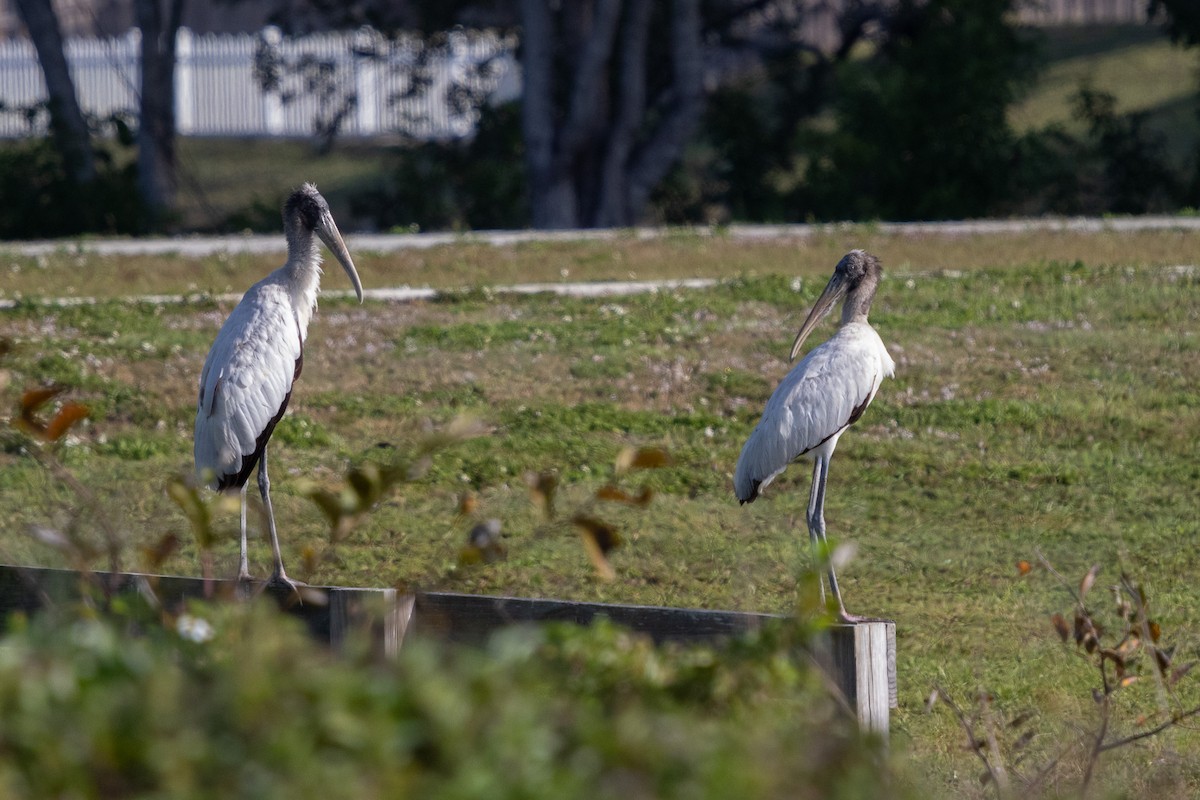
(194,629)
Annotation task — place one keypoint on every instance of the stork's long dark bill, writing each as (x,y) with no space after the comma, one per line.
(328,231)
(835,290)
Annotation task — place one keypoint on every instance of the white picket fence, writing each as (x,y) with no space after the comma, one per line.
(217,92)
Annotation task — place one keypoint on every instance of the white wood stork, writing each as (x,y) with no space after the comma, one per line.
(820,397)
(248,376)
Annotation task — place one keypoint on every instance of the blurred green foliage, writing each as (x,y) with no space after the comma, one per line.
(43,201)
(234,701)
(920,125)
(1117,165)
(911,123)
(456,185)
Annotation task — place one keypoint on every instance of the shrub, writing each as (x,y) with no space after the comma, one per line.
(93,710)
(46,203)
(478,183)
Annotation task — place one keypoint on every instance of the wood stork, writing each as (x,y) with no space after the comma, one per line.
(248,376)
(820,397)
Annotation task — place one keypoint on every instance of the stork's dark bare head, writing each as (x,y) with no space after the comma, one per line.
(306,213)
(305,207)
(856,265)
(855,278)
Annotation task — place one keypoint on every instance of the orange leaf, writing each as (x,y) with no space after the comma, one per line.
(1020,719)
(1023,567)
(1178,673)
(33,399)
(603,568)
(542,487)
(1060,625)
(1155,631)
(642,458)
(604,535)
(599,538)
(308,558)
(1129,646)
(160,551)
(618,495)
(1114,656)
(467,503)
(610,492)
(1088,580)
(67,416)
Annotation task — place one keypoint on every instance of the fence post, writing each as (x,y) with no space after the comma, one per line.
(271,98)
(365,53)
(861,660)
(185,83)
(128,50)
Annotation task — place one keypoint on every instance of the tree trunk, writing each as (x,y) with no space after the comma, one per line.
(594,147)
(67,124)
(557,145)
(680,107)
(613,207)
(551,198)
(156,128)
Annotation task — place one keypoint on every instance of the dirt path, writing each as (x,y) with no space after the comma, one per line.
(201,246)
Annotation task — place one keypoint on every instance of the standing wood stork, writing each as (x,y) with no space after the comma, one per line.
(248,376)
(821,397)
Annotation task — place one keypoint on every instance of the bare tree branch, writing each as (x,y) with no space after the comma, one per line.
(584,108)
(974,742)
(613,207)
(683,106)
(67,123)
(1146,734)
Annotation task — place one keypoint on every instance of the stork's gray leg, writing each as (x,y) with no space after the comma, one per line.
(816,520)
(264,487)
(816,523)
(244,564)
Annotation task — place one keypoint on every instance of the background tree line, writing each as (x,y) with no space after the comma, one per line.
(676,111)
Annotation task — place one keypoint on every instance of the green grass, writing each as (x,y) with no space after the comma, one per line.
(1045,401)
(217,194)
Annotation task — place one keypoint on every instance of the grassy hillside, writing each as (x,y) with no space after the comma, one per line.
(1042,404)
(1136,64)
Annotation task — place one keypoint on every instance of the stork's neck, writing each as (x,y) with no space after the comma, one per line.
(303,269)
(858,300)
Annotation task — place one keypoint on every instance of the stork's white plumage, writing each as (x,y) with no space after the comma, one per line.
(247,378)
(821,396)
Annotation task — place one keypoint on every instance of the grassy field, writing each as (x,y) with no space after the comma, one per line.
(1045,402)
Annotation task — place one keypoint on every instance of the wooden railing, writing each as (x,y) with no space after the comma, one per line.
(860,660)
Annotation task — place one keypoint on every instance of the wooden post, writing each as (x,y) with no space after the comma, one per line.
(185,82)
(859,659)
(272,99)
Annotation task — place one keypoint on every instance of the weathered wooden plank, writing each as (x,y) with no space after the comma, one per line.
(470,618)
(860,659)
